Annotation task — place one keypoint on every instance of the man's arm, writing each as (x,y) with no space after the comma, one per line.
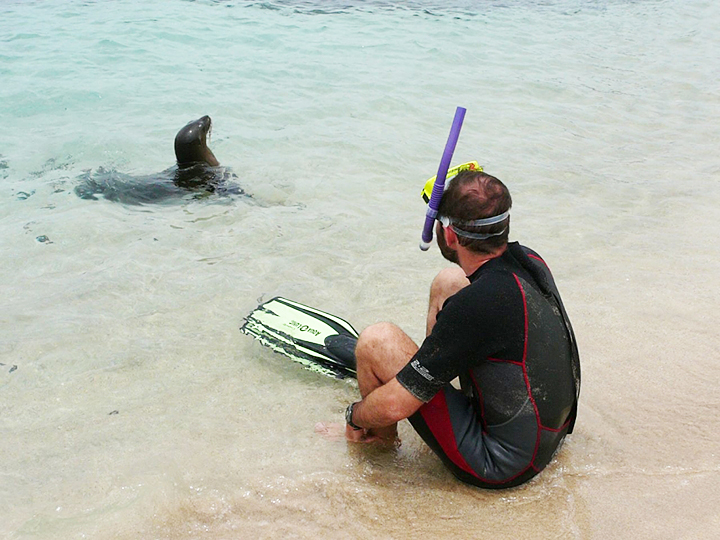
(385,406)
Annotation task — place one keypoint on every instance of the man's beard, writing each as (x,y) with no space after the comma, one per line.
(450,254)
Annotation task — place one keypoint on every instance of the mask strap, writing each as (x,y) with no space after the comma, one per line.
(482,222)
(475,236)
(450,222)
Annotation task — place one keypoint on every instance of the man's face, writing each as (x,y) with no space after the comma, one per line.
(450,254)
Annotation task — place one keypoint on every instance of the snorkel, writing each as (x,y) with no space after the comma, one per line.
(439,187)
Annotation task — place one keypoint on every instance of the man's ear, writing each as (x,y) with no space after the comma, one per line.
(451,238)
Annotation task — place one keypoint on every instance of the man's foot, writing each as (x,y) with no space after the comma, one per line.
(335,432)
(330,431)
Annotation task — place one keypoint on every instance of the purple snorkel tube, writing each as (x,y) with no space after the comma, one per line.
(439,187)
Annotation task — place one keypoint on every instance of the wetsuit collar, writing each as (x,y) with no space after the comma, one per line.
(515,256)
(492,263)
(486,264)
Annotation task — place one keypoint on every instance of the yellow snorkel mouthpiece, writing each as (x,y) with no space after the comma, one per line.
(469,166)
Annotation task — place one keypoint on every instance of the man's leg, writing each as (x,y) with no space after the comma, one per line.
(383,349)
(446,283)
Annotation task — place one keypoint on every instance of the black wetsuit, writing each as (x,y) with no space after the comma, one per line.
(509,340)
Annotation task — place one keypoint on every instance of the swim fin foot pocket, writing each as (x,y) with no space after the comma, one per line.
(342,347)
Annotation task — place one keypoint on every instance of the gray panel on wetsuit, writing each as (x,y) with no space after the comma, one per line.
(503,389)
(548,360)
(506,449)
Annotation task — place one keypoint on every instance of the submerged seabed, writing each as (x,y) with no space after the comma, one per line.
(130,404)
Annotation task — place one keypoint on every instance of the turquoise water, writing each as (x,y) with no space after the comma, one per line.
(131,406)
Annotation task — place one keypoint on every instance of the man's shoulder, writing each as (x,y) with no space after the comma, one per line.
(494,284)
(532,253)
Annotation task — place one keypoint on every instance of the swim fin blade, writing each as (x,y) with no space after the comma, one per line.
(317,340)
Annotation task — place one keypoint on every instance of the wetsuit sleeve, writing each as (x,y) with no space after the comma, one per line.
(472,326)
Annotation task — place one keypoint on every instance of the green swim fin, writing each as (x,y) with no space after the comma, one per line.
(319,341)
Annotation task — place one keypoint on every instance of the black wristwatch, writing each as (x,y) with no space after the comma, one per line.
(349,415)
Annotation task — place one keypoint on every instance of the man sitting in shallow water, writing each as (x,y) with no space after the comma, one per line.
(497,323)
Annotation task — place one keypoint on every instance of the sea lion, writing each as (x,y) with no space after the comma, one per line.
(198,174)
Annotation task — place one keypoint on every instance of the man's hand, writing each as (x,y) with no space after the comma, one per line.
(359,435)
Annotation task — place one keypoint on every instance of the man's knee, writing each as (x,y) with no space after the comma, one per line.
(383,348)
(448,281)
(377,336)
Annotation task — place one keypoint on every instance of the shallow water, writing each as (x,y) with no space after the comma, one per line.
(131,406)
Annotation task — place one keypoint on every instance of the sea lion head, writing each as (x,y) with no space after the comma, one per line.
(191,144)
